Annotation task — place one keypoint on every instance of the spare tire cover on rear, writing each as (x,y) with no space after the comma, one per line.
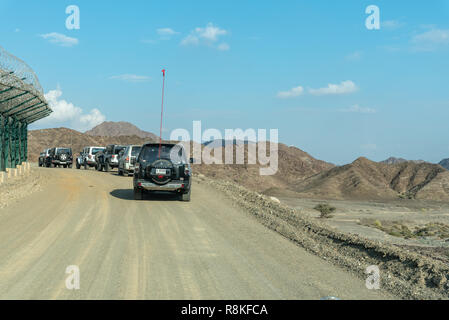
(63,156)
(154,171)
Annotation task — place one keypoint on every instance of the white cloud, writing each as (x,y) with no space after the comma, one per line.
(190,40)
(92,119)
(392,24)
(66,113)
(358,109)
(431,40)
(130,78)
(166,32)
(342,88)
(294,92)
(17,30)
(210,33)
(208,36)
(60,39)
(62,110)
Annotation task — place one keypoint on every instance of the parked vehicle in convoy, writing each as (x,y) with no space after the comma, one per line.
(108,159)
(162,168)
(127,160)
(43,158)
(60,157)
(87,157)
(79,160)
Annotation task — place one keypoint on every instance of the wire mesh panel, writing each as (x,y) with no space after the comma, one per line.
(21,95)
(22,102)
(11,63)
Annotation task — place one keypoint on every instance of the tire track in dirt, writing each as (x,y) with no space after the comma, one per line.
(159,248)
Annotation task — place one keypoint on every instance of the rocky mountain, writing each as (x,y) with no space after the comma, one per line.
(294,165)
(115,129)
(393,160)
(299,174)
(368,180)
(38,140)
(445,163)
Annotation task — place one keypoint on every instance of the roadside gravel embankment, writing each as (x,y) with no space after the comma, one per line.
(404,273)
(14,189)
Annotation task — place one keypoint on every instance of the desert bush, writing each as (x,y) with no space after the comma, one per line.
(325,210)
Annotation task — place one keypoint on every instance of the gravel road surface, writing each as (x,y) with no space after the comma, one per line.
(159,248)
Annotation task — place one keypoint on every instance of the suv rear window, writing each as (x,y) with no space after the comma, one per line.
(64,151)
(96,150)
(135,151)
(150,153)
(118,149)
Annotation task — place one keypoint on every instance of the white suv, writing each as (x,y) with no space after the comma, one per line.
(87,157)
(127,160)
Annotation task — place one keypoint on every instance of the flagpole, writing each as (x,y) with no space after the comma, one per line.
(162,111)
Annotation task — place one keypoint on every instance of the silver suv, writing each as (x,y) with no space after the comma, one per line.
(87,157)
(43,157)
(127,160)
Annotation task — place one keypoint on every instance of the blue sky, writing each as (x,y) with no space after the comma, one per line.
(308,68)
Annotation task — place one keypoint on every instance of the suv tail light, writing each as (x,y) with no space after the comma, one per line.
(127,159)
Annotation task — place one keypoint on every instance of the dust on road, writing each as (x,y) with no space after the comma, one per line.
(159,248)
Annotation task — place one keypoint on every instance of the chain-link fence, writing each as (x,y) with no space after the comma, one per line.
(11,63)
(22,102)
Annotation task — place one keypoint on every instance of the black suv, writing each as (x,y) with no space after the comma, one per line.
(108,159)
(162,168)
(59,157)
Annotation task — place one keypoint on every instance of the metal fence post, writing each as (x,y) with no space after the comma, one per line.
(2,144)
(25,152)
(7,143)
(13,143)
(17,142)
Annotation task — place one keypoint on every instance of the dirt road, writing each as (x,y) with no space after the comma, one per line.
(158,248)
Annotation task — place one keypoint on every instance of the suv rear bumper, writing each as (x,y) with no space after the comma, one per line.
(61,162)
(129,167)
(171,186)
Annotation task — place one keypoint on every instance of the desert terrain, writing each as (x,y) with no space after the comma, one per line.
(394,214)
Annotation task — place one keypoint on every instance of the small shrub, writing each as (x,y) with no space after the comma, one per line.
(378,224)
(325,210)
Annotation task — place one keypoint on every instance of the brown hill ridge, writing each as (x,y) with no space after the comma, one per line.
(38,140)
(294,164)
(368,180)
(394,160)
(115,129)
(299,174)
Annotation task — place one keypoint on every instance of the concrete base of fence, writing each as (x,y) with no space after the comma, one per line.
(11,173)
(21,170)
